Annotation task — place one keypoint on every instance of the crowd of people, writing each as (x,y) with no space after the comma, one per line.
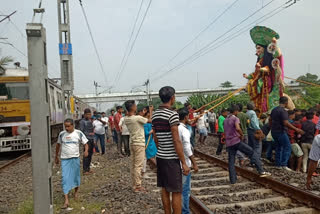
(165,138)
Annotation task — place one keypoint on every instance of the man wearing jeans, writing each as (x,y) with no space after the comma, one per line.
(184,135)
(279,124)
(234,137)
(252,129)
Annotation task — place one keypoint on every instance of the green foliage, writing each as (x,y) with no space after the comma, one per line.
(311,93)
(197,100)
(226,84)
(4,61)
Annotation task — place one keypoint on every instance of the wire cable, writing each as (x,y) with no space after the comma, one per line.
(208,45)
(129,41)
(198,35)
(93,42)
(134,41)
(199,54)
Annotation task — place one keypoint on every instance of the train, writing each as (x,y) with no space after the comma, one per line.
(15,133)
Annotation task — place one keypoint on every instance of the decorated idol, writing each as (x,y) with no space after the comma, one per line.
(265,85)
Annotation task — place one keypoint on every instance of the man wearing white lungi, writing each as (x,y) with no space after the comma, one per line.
(69,143)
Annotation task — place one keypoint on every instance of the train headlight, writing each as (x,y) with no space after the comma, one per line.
(23,130)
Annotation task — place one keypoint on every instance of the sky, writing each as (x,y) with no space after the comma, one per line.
(169,26)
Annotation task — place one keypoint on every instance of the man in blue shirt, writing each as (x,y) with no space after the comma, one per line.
(253,127)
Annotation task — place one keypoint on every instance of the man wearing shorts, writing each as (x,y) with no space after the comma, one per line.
(170,152)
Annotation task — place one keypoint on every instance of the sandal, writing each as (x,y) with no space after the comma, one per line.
(140,189)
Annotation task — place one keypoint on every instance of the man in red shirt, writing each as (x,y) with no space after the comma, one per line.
(193,125)
(111,124)
(315,118)
(117,118)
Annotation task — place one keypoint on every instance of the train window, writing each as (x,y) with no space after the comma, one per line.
(59,98)
(14,91)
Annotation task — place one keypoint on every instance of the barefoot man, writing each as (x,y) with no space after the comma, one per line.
(69,143)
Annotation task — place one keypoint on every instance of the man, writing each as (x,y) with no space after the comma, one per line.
(243,117)
(184,135)
(212,118)
(86,127)
(221,119)
(201,126)
(135,125)
(170,150)
(253,128)
(68,142)
(193,123)
(309,129)
(106,120)
(314,158)
(234,137)
(117,118)
(113,130)
(125,135)
(279,124)
(99,134)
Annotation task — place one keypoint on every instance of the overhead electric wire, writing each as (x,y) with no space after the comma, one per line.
(93,42)
(229,38)
(129,41)
(134,41)
(199,34)
(208,45)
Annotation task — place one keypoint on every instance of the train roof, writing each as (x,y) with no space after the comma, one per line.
(15,72)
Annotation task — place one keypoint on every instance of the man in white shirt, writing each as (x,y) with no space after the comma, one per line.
(184,135)
(106,120)
(212,117)
(201,125)
(125,135)
(99,134)
(69,142)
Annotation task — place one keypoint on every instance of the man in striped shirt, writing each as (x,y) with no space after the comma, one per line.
(170,151)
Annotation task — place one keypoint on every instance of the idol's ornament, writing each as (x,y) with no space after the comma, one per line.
(265,85)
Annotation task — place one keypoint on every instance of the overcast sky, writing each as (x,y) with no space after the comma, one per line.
(169,25)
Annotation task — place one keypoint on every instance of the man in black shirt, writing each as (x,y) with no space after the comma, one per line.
(86,127)
(307,138)
(279,125)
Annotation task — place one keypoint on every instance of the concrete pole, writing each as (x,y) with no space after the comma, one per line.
(65,51)
(40,119)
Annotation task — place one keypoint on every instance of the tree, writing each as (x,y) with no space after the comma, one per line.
(311,93)
(226,84)
(4,61)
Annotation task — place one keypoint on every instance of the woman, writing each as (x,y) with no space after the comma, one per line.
(265,85)
(151,149)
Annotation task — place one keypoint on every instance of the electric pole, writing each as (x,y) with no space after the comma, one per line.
(40,118)
(96,85)
(147,84)
(65,51)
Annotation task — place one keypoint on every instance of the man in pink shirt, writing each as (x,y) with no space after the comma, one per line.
(234,142)
(117,118)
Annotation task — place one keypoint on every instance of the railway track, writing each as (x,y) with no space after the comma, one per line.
(211,191)
(5,163)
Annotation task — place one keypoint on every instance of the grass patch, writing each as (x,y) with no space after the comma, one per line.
(26,207)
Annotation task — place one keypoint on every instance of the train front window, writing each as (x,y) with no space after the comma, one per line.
(14,91)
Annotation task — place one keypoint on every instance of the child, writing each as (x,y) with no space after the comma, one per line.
(222,117)
(125,135)
(151,149)
(184,135)
(309,129)
(69,141)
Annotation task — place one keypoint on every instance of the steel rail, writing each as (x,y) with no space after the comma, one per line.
(12,162)
(307,198)
(196,206)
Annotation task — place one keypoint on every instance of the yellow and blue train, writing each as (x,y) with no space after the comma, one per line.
(15,109)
